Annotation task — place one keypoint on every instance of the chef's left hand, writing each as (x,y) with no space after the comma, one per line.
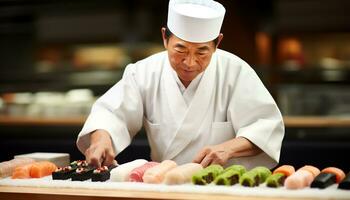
(221,153)
(216,154)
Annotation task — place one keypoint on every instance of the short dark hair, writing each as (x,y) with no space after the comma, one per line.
(168,34)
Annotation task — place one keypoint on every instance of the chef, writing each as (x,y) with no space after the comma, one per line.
(197,103)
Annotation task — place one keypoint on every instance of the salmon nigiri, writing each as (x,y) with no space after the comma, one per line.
(41,169)
(22,172)
(287,170)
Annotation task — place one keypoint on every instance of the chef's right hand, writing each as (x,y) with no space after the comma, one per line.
(100,152)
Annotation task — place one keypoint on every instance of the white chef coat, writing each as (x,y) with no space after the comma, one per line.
(228,101)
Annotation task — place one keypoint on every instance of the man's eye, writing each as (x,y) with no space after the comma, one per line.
(179,51)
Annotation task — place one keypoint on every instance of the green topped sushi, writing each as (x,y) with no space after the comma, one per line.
(228,177)
(207,175)
(263,173)
(250,179)
(275,180)
(240,168)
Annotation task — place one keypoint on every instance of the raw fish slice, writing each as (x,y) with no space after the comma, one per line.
(122,172)
(287,170)
(156,174)
(182,174)
(339,174)
(42,168)
(22,172)
(300,179)
(7,167)
(137,173)
(315,171)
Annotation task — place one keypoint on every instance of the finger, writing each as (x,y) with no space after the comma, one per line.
(109,158)
(95,157)
(200,156)
(206,161)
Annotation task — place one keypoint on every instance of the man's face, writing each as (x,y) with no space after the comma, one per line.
(188,59)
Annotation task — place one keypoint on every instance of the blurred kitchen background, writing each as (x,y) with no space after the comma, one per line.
(58,56)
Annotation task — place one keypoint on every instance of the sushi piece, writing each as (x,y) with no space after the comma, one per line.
(63,173)
(315,171)
(339,174)
(182,174)
(263,173)
(22,172)
(240,168)
(42,168)
(250,179)
(7,167)
(137,173)
(207,175)
(287,170)
(102,174)
(300,179)
(276,180)
(122,172)
(82,173)
(157,173)
(228,177)
(345,183)
(323,180)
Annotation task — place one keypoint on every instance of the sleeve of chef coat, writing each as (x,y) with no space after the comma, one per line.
(255,115)
(119,112)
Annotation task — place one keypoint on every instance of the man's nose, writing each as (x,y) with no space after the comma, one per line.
(190,61)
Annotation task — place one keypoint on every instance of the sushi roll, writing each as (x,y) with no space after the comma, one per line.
(82,173)
(275,180)
(228,177)
(63,173)
(323,180)
(345,183)
(250,179)
(207,175)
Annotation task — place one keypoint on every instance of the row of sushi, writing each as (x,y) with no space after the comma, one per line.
(170,173)
(285,175)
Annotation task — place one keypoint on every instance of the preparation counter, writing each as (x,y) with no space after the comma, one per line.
(46,188)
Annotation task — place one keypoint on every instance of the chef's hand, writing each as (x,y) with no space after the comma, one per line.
(221,153)
(100,152)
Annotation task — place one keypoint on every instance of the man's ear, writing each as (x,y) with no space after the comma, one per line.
(165,41)
(220,37)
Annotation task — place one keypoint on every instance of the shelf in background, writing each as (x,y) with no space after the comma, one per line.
(290,121)
(316,121)
(42,121)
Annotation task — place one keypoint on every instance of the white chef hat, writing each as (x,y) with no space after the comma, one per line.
(195,20)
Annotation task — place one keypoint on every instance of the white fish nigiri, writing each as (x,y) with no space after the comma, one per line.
(182,174)
(156,174)
(121,173)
